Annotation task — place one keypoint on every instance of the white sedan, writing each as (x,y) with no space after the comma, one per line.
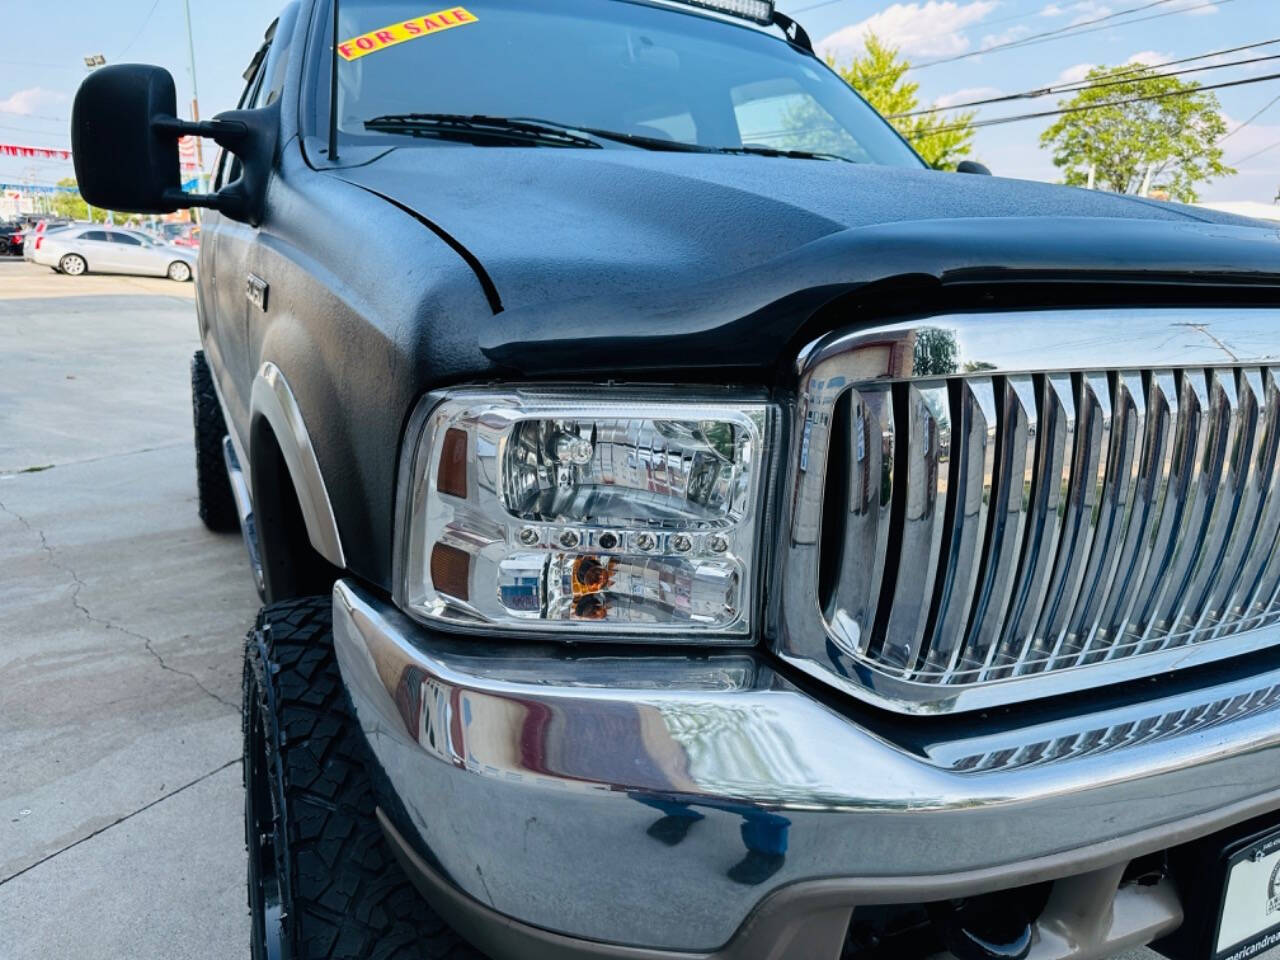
(81,249)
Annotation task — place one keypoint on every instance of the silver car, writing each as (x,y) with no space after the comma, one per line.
(81,249)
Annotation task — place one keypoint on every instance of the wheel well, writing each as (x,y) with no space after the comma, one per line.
(291,566)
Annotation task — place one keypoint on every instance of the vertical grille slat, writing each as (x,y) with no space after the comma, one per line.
(1235,511)
(992,516)
(1179,509)
(1161,508)
(1093,433)
(1057,415)
(927,462)
(1017,422)
(1124,520)
(1206,410)
(1109,480)
(1250,580)
(866,526)
(974,439)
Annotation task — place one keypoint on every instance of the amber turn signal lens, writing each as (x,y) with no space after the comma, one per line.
(451,571)
(452,475)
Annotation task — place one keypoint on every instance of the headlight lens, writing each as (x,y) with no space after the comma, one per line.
(552,512)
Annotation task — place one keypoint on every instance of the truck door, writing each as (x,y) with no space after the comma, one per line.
(224,307)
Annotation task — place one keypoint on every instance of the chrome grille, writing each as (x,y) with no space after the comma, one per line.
(990,508)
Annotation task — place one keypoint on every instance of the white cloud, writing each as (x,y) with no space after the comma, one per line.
(33,100)
(1091,12)
(1083,9)
(1080,71)
(1006,36)
(1150,58)
(1075,74)
(930,29)
(967,95)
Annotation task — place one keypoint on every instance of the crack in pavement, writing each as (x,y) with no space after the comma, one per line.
(18,471)
(80,584)
(119,820)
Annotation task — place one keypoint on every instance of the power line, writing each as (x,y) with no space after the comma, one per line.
(1062,33)
(1114,80)
(1256,153)
(1269,104)
(145,20)
(35,116)
(1085,108)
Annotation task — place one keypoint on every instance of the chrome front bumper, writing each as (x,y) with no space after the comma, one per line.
(661,800)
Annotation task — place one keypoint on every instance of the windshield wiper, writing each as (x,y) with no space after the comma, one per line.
(456,126)
(793,154)
(632,139)
(536,131)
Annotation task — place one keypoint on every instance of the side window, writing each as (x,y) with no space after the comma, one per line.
(227,169)
(127,240)
(96,235)
(273,71)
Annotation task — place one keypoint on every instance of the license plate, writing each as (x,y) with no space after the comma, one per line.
(1249,922)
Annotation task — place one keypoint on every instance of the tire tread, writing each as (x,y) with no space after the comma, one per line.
(216,503)
(350,898)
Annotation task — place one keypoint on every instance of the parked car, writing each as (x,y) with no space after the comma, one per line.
(690,526)
(98,249)
(10,239)
(181,234)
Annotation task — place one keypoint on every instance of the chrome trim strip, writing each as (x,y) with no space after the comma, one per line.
(272,398)
(1143,507)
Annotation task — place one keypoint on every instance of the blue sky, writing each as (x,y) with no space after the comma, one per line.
(39,78)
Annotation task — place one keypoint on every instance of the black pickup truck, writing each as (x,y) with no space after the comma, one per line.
(691,527)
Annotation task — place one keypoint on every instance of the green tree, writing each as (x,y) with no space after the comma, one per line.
(879,75)
(73,205)
(1175,138)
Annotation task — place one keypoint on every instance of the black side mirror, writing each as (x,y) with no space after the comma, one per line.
(122,162)
(124,140)
(972,166)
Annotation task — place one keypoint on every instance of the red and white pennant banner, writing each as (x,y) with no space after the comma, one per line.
(33,153)
(188,153)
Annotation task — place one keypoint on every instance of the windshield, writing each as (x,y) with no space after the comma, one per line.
(664,77)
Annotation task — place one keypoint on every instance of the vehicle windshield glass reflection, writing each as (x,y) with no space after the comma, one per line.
(638,76)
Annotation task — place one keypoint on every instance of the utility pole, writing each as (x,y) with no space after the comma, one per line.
(92,63)
(195,93)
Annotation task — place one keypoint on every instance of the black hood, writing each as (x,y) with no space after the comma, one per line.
(662,244)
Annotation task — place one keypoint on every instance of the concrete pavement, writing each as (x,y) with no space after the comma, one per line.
(121,622)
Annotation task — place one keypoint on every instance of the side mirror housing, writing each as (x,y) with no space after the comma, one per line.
(122,162)
(973,166)
(124,141)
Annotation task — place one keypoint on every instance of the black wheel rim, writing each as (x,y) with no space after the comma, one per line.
(262,823)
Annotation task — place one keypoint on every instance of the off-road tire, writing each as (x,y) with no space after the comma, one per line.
(341,893)
(216,503)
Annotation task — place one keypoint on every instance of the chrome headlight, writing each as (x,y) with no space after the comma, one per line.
(555,512)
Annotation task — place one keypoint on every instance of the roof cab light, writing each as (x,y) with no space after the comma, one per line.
(761,11)
(554,513)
